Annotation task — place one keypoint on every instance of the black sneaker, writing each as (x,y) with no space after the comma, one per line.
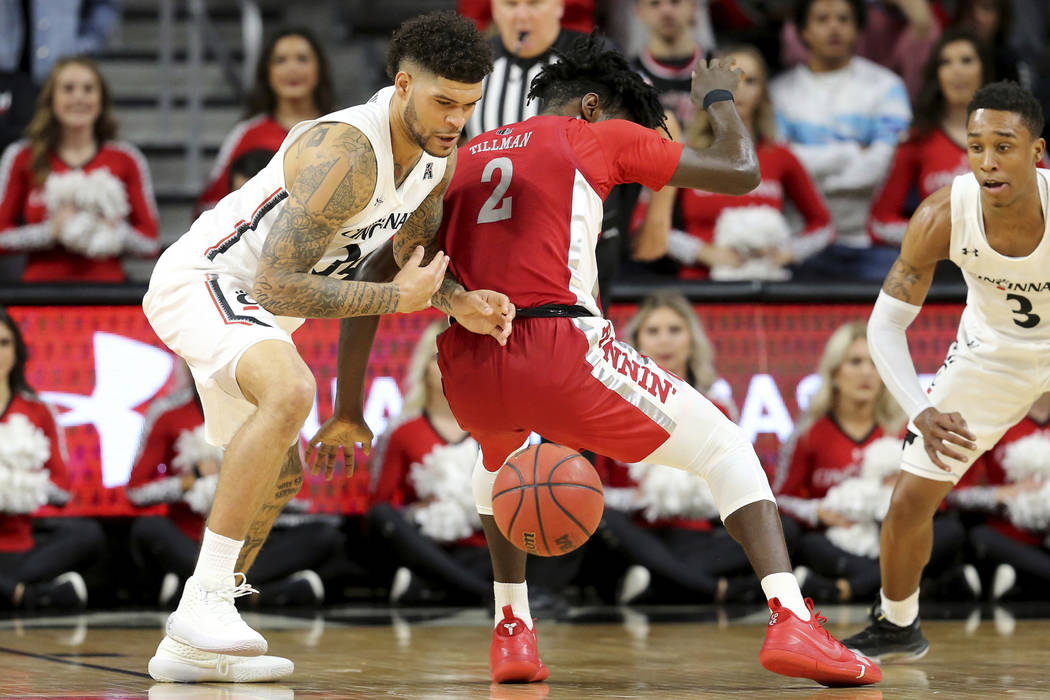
(883,642)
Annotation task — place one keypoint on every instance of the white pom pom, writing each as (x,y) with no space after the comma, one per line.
(882,458)
(199,497)
(24,450)
(666,492)
(62,188)
(23,446)
(444,521)
(99,198)
(191,447)
(1028,457)
(752,231)
(861,539)
(444,478)
(1031,510)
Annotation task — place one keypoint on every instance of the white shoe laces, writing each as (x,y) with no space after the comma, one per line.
(228,613)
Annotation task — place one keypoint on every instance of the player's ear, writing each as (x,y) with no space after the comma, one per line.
(591,107)
(402,83)
(1040,150)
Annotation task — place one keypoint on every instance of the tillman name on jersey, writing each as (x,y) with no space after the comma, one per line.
(504,143)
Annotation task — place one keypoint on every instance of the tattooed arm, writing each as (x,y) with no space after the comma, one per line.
(330,176)
(925,242)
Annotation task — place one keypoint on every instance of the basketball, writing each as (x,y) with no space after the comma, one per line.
(547,500)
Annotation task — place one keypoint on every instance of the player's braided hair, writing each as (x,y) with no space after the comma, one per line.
(589,66)
(1008,96)
(444,43)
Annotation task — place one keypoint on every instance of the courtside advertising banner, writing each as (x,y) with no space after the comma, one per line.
(100,367)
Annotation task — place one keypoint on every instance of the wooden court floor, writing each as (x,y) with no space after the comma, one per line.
(595,653)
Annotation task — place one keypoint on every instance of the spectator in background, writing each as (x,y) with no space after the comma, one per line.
(175,465)
(293,83)
(935,152)
(660,523)
(38,557)
(783,179)
(671,53)
(1009,485)
(842,115)
(896,34)
(992,21)
(73,197)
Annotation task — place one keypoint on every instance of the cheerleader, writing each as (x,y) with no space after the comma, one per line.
(39,558)
(74,199)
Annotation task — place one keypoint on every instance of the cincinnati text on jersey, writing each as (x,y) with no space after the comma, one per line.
(394,221)
(1015,286)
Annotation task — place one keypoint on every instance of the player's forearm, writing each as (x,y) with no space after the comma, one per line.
(729,165)
(888,344)
(356,336)
(305,295)
(446,294)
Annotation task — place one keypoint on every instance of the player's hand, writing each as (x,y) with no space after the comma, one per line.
(323,448)
(720,74)
(484,312)
(941,431)
(417,283)
(832,519)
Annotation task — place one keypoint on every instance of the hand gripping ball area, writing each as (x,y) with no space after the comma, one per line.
(547,500)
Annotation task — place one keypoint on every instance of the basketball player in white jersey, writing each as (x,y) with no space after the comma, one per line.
(992,223)
(228,294)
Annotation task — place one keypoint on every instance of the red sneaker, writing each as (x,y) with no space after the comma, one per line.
(513,657)
(805,649)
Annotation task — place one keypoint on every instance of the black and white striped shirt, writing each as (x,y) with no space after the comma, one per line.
(505,91)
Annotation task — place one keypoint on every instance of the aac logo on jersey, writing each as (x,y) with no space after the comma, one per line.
(428,173)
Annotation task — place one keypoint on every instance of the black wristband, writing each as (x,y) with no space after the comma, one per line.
(717,96)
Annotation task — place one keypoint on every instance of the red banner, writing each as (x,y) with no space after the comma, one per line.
(101,366)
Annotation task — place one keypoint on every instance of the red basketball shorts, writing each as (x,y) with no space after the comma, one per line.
(567,379)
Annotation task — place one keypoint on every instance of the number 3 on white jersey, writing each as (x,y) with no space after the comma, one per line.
(497,207)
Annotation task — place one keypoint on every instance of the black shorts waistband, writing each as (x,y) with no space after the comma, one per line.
(554,311)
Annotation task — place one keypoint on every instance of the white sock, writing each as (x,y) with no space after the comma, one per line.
(516,595)
(784,587)
(901,612)
(217,558)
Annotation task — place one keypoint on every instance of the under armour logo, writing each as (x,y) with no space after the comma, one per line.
(509,626)
(379,200)
(967,251)
(773,619)
(428,172)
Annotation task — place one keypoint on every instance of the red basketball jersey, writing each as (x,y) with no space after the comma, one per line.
(524,208)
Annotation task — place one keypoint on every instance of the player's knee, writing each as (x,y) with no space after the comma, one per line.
(911,506)
(482,481)
(290,403)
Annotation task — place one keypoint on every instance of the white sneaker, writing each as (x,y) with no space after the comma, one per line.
(178,663)
(207,619)
(1004,579)
(635,582)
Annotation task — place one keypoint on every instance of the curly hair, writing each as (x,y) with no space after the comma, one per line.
(263,99)
(588,66)
(1008,96)
(44,132)
(929,104)
(444,43)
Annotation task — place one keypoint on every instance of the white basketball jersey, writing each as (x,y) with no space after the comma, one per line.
(229,238)
(1007,296)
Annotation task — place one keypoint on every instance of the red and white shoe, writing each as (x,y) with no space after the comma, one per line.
(514,657)
(804,649)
